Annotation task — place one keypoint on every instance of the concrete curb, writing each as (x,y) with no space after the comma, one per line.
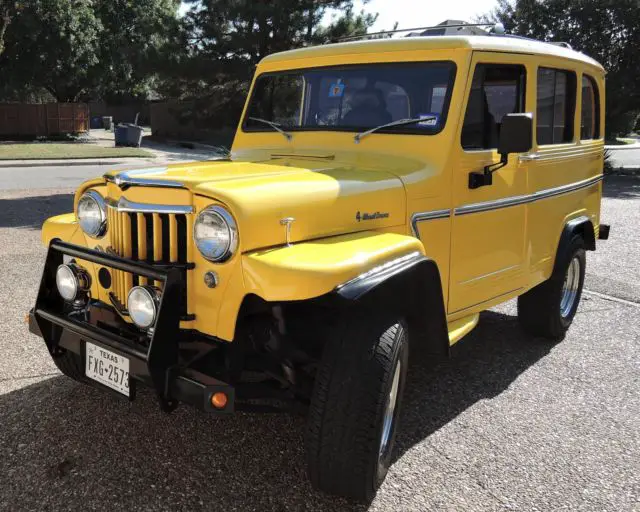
(68,163)
(623,147)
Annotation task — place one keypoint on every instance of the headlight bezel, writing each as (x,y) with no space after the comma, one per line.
(232,228)
(102,206)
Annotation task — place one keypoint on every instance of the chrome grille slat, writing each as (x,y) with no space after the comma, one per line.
(145,236)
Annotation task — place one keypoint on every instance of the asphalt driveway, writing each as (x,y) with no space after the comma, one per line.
(508,423)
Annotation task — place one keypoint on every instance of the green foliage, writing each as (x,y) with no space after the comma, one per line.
(118,50)
(227,38)
(53,44)
(607,30)
(76,49)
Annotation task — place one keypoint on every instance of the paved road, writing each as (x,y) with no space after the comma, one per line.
(507,423)
(625,157)
(49,177)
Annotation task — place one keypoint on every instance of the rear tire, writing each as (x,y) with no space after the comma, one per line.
(71,365)
(355,405)
(548,309)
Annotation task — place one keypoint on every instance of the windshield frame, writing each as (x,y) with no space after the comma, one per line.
(345,129)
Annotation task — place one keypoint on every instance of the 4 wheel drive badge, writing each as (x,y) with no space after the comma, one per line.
(371,216)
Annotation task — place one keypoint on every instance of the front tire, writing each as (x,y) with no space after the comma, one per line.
(548,309)
(355,406)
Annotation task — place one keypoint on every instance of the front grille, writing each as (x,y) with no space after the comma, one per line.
(156,238)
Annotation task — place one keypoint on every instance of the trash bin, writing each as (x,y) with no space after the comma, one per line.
(96,122)
(128,135)
(120,135)
(134,135)
(107,122)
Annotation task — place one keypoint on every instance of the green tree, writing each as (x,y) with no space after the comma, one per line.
(138,40)
(52,44)
(88,49)
(607,30)
(227,38)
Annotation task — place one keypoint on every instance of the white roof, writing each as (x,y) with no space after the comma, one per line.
(489,43)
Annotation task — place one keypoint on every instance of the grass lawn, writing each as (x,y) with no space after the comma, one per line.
(59,151)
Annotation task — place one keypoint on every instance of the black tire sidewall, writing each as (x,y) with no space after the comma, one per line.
(576,250)
(400,353)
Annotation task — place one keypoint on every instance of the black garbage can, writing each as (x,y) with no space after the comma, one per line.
(120,135)
(134,135)
(128,135)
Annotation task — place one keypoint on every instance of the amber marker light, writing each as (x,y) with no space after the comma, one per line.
(219,400)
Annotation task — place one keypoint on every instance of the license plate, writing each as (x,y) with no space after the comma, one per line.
(107,368)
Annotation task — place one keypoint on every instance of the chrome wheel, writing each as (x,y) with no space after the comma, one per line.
(570,287)
(389,413)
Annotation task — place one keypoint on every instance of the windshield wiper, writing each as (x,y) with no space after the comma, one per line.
(400,122)
(273,125)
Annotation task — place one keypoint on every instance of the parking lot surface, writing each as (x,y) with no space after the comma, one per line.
(509,423)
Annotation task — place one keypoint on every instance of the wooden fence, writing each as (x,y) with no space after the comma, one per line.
(35,120)
(188,121)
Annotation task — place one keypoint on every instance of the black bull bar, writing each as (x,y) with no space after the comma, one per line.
(157,364)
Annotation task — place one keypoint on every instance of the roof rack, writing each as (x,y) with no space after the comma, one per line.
(562,44)
(495,28)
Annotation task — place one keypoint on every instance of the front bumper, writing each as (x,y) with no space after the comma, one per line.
(169,360)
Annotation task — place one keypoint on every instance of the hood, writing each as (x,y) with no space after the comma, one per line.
(324,197)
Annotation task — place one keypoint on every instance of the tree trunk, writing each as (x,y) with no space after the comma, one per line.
(5,19)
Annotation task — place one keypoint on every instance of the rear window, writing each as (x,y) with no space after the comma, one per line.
(590,112)
(556,106)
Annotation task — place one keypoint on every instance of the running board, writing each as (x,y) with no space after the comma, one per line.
(461,327)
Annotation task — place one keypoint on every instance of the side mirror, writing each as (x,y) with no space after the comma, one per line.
(516,134)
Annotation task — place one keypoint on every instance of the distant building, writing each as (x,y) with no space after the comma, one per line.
(448,30)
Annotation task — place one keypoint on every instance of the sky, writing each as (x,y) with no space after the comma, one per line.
(421,13)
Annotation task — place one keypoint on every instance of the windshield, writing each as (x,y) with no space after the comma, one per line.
(353,98)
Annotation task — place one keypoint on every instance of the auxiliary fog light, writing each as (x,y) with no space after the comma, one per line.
(143,304)
(72,282)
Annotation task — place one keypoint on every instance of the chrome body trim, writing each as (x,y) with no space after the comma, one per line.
(524,199)
(430,215)
(130,179)
(382,268)
(124,205)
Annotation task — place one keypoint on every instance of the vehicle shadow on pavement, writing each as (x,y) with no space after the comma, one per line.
(78,447)
(31,212)
(621,187)
(483,365)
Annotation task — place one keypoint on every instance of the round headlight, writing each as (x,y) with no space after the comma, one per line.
(71,280)
(215,234)
(142,304)
(92,214)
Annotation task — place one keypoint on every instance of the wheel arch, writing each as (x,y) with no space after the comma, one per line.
(412,287)
(582,226)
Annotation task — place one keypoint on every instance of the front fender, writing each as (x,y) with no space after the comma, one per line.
(314,268)
(63,227)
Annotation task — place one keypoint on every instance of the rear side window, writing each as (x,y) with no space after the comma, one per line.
(556,106)
(590,112)
(496,90)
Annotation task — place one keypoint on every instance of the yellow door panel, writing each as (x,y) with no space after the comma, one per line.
(489,223)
